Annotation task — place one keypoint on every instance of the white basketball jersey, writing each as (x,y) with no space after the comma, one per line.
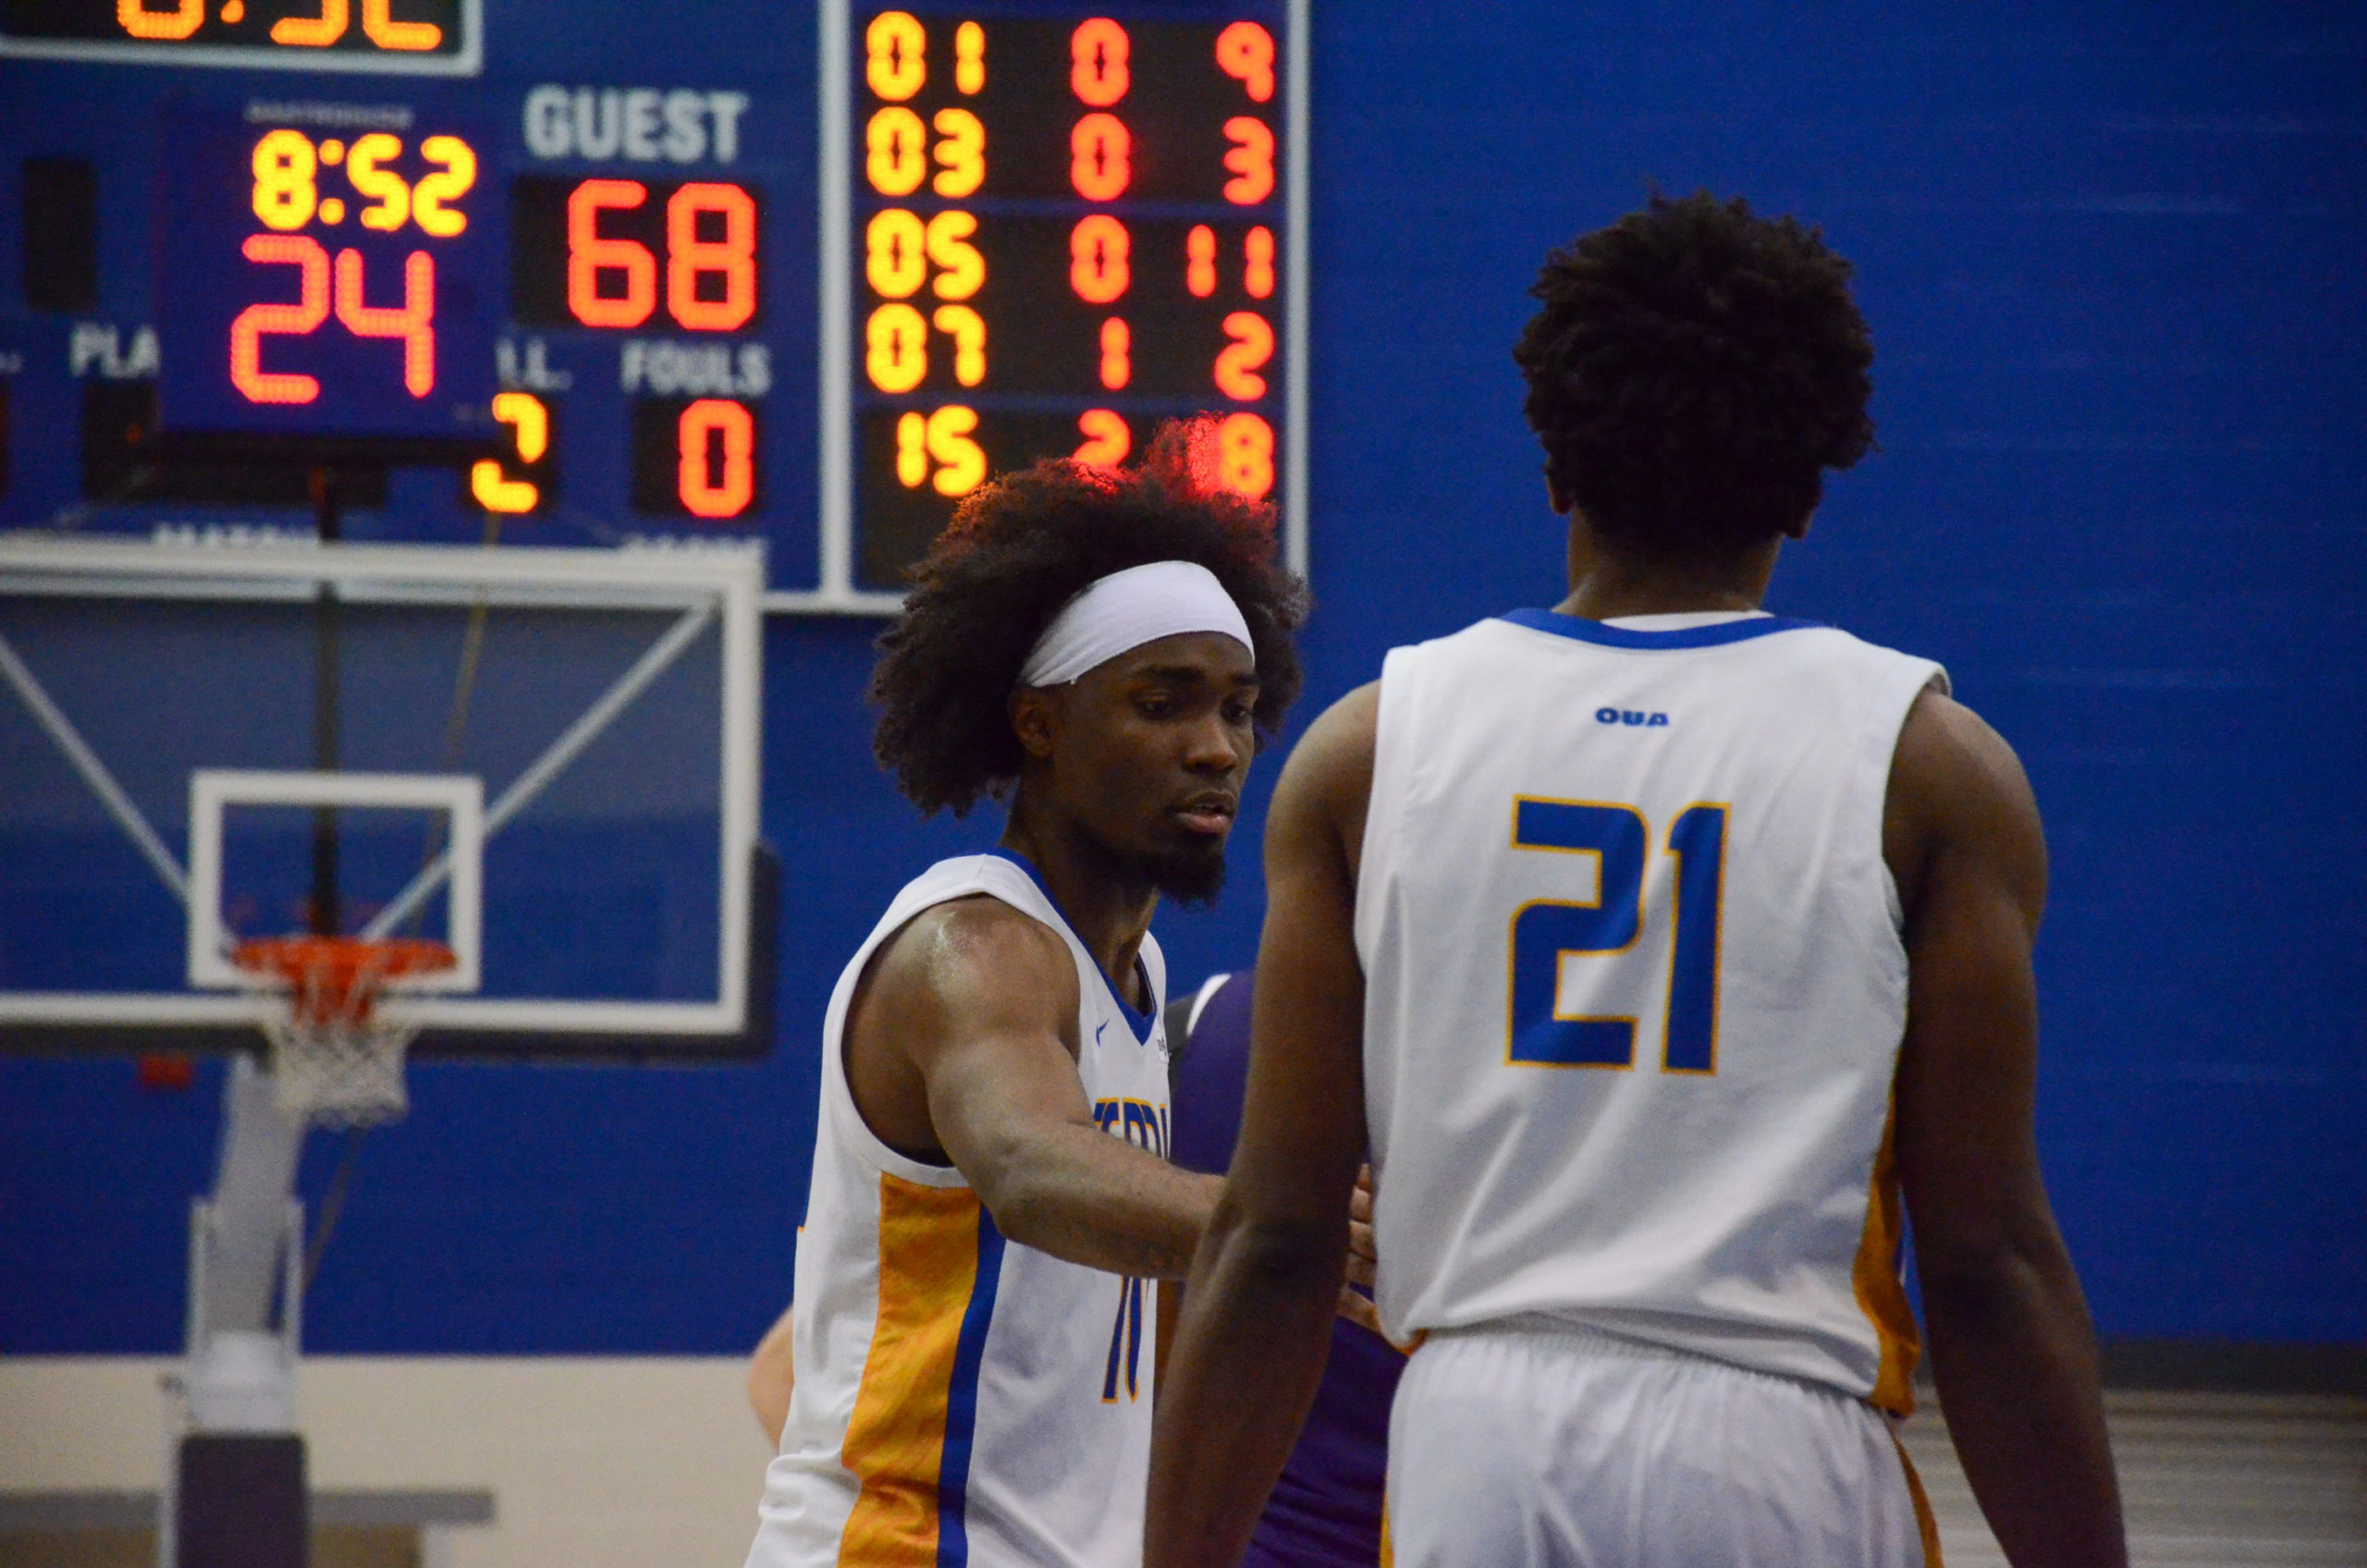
(960,1398)
(1635,987)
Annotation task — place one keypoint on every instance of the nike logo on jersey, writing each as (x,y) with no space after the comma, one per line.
(1631,718)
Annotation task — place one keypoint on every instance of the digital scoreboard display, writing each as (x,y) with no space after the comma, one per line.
(438,37)
(649,282)
(341,282)
(1052,231)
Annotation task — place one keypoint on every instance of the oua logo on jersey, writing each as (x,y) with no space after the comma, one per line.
(1630,717)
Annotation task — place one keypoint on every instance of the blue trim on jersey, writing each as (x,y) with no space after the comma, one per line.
(1578,629)
(962,1402)
(1140,1021)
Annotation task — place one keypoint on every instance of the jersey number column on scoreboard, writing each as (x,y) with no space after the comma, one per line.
(1044,233)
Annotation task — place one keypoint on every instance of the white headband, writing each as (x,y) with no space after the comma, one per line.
(1126,609)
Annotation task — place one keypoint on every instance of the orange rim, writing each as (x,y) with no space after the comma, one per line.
(340,976)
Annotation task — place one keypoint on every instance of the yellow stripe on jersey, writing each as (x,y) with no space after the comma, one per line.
(895,1443)
(1880,1296)
(1926,1525)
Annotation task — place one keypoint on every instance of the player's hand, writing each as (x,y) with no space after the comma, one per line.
(1362,1259)
(1354,1305)
(1357,1308)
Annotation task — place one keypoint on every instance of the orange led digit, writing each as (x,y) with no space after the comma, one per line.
(312,33)
(896,348)
(961,153)
(1246,52)
(961,462)
(1238,363)
(709,488)
(390,189)
(284,166)
(1097,72)
(495,491)
(588,256)
(961,270)
(378,23)
(1099,246)
(690,258)
(1251,159)
(1099,151)
(968,330)
(895,49)
(1107,439)
(138,20)
(412,321)
(893,157)
(255,383)
(969,58)
(894,261)
(911,450)
(448,184)
(1117,354)
(1246,455)
(1200,261)
(1257,262)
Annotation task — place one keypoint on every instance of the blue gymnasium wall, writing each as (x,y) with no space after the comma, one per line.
(2113,258)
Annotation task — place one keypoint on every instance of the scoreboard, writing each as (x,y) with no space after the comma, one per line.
(1050,231)
(662,277)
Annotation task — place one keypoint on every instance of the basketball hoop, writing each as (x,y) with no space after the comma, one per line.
(334,1058)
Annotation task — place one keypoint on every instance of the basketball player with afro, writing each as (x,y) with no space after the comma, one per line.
(1670,953)
(975,1319)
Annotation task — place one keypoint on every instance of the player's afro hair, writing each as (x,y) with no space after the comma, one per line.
(1693,372)
(1017,550)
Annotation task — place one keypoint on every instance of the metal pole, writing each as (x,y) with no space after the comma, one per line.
(323,911)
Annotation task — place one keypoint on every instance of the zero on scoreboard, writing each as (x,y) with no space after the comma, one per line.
(1045,229)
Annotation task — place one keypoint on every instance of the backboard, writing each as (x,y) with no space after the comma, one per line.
(546,759)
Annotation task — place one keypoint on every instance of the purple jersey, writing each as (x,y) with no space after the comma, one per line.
(1325,1512)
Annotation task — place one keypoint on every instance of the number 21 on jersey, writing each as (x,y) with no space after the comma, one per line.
(1545,930)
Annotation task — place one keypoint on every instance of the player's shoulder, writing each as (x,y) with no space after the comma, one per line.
(963,950)
(1957,784)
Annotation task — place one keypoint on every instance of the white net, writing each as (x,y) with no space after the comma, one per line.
(335,1059)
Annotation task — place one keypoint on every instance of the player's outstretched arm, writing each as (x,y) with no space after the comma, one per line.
(1257,1312)
(979,998)
(2011,1343)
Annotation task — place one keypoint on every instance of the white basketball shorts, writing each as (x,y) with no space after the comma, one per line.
(1551,1446)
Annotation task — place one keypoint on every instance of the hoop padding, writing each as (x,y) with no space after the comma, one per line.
(334,1058)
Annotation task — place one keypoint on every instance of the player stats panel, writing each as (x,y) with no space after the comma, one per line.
(1057,227)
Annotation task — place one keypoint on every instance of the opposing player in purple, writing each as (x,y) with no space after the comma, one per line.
(1326,1507)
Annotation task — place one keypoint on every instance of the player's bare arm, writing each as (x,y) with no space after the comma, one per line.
(772,1374)
(1257,1315)
(960,1051)
(2011,1343)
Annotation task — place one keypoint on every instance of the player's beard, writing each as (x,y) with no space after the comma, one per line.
(1188,875)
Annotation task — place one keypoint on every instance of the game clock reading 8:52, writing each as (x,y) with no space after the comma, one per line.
(325,281)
